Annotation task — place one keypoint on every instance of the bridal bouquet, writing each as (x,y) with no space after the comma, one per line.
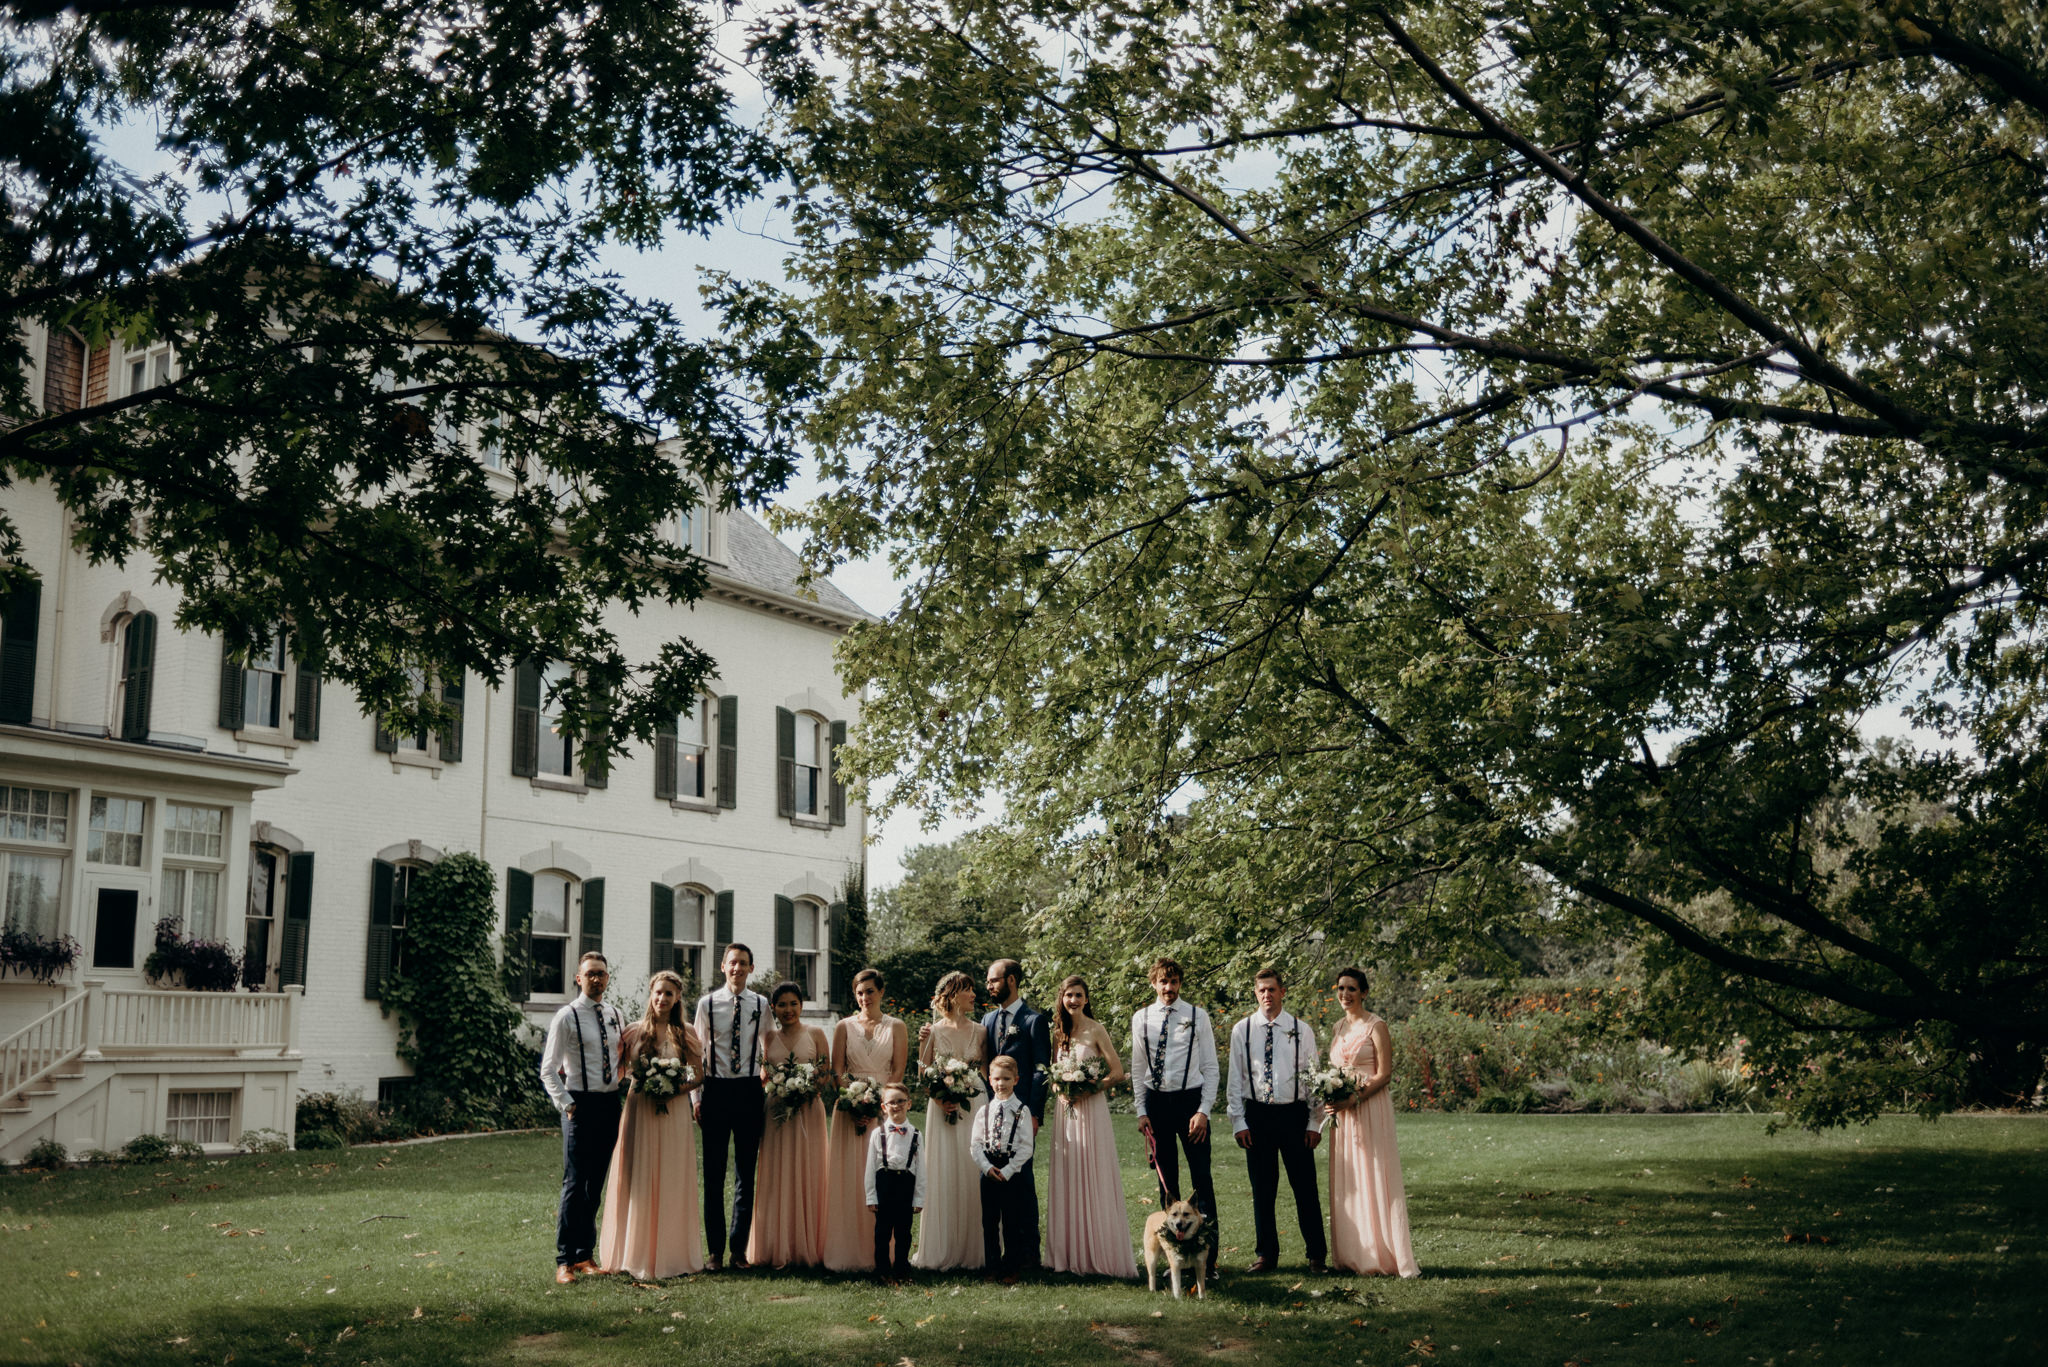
(950,1079)
(661,1080)
(1072,1079)
(1333,1086)
(862,1100)
(791,1087)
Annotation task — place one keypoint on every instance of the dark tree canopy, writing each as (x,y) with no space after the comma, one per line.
(1354,460)
(404,288)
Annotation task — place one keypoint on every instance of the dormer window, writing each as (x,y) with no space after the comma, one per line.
(149,368)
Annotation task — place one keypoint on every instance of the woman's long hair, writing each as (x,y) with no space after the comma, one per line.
(653,1026)
(1062,1022)
(942,995)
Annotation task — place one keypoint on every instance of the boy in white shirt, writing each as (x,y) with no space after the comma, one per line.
(895,1181)
(1004,1137)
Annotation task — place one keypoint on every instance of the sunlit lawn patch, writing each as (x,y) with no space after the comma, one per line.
(1599,1239)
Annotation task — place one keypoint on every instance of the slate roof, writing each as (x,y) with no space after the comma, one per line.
(756,558)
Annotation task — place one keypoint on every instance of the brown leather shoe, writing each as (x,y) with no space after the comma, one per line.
(586,1268)
(714,1264)
(1260,1265)
(740,1263)
(563,1276)
(1319,1267)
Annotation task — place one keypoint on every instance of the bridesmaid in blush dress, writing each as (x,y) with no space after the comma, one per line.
(789,1219)
(1087,1225)
(1368,1205)
(874,1047)
(949,1234)
(651,1227)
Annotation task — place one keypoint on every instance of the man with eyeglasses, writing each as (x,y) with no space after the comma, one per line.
(579,1069)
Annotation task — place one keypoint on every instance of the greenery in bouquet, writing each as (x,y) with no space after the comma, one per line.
(661,1080)
(1333,1086)
(792,1085)
(950,1079)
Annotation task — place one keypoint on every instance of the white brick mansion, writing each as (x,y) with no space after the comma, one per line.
(143,774)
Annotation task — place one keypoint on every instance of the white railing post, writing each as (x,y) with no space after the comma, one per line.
(94,1008)
(294,996)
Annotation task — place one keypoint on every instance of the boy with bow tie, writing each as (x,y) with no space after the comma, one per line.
(895,1181)
(1004,1136)
(1276,1119)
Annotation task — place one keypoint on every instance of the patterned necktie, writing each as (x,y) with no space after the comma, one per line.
(604,1046)
(1003,1029)
(1269,1062)
(736,1003)
(1159,1053)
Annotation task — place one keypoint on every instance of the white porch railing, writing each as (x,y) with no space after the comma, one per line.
(44,1045)
(139,1020)
(103,1022)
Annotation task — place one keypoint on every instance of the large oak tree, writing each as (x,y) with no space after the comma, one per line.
(1379,467)
(381,265)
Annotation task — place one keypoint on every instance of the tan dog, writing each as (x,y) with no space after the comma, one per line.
(1176,1234)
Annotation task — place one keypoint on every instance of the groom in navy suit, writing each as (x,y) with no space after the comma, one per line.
(1014,1029)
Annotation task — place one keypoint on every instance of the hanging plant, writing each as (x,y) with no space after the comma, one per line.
(41,957)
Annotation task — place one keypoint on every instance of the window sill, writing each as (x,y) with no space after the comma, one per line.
(558,783)
(810,823)
(694,804)
(416,759)
(270,737)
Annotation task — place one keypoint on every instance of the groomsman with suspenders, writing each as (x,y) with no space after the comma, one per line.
(1276,1120)
(731,1105)
(579,1070)
(1174,1076)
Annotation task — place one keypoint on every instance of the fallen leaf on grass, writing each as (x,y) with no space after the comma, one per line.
(1704,1326)
(348,1331)
(71,1274)
(923,1322)
(419,1313)
(177,1341)
(1426,1347)
(462,1319)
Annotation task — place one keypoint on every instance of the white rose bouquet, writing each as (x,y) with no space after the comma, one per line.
(1333,1086)
(950,1079)
(1073,1078)
(661,1080)
(862,1100)
(791,1087)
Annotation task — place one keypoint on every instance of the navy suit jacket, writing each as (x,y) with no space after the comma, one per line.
(1030,1043)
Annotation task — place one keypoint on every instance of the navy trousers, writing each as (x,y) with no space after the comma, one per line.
(588,1138)
(1170,1113)
(734,1113)
(894,1191)
(1009,1220)
(1280,1135)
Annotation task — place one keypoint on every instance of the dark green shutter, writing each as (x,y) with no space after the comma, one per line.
(597,759)
(298,921)
(838,785)
(386,743)
(785,936)
(19,624)
(230,688)
(837,970)
(138,673)
(785,762)
(451,734)
(377,961)
(519,933)
(593,918)
(306,703)
(723,932)
(728,751)
(665,759)
(662,935)
(526,724)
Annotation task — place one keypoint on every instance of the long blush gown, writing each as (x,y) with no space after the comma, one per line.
(789,1186)
(849,1227)
(651,1227)
(1087,1225)
(1368,1205)
(949,1234)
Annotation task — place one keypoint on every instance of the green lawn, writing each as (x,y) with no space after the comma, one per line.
(1589,1239)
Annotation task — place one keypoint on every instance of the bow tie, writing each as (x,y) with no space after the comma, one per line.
(897,1129)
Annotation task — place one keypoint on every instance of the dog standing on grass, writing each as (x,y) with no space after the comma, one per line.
(1176,1235)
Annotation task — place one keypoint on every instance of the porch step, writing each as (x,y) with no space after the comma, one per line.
(67,1077)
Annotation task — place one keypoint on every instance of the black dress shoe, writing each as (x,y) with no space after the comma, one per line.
(1260,1265)
(1317,1266)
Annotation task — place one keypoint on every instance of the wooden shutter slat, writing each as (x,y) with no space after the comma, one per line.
(785,936)
(665,761)
(592,937)
(526,719)
(519,932)
(785,762)
(377,958)
(306,703)
(837,786)
(298,921)
(19,624)
(728,751)
(230,689)
(451,734)
(661,918)
(139,674)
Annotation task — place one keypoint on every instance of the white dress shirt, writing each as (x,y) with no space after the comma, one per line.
(580,1037)
(1186,1060)
(1293,1049)
(715,1016)
(895,1147)
(1004,1125)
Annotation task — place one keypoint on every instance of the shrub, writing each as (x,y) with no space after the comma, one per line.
(319,1139)
(263,1141)
(46,1153)
(39,957)
(156,1148)
(346,1114)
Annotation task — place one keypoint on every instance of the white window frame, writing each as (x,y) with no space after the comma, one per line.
(550,737)
(798,962)
(690,954)
(697,738)
(807,782)
(210,1118)
(187,861)
(139,834)
(273,665)
(272,954)
(572,919)
(18,802)
(159,365)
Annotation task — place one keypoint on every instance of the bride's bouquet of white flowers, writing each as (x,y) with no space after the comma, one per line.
(661,1080)
(792,1085)
(862,1100)
(1073,1078)
(1333,1086)
(950,1079)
